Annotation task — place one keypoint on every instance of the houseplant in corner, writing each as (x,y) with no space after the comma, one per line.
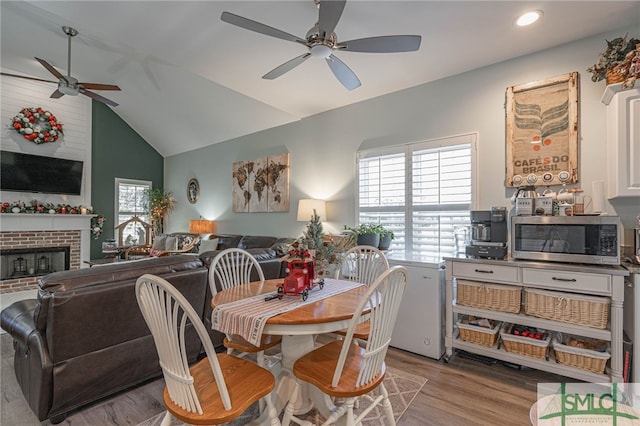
(159,204)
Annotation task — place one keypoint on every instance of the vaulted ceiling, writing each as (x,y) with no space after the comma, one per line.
(188,79)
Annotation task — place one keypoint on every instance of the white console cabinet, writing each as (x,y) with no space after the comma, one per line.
(623,141)
(585,280)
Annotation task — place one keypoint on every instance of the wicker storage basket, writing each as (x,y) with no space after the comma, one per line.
(478,334)
(495,297)
(589,311)
(586,359)
(524,345)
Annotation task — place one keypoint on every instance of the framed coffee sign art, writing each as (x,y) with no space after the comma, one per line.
(542,132)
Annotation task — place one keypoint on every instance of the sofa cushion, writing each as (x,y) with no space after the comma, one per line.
(171,243)
(159,242)
(117,271)
(255,241)
(226,241)
(262,253)
(208,245)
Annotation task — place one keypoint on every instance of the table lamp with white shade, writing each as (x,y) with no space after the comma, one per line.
(306,206)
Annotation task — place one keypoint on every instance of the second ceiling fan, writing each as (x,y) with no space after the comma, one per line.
(321,40)
(68,85)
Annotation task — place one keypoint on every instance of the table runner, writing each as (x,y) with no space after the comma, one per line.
(247,317)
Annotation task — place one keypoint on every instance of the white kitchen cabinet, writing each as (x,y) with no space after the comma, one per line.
(604,282)
(632,324)
(623,141)
(420,326)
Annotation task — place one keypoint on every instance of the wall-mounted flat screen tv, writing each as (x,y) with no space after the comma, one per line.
(35,173)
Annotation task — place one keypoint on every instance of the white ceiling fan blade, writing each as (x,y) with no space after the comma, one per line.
(343,73)
(382,44)
(329,14)
(258,27)
(287,66)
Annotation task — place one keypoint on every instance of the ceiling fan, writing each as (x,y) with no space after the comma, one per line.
(321,41)
(68,85)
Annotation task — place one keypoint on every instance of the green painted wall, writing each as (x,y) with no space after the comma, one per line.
(117,151)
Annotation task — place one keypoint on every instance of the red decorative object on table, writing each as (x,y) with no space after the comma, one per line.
(300,276)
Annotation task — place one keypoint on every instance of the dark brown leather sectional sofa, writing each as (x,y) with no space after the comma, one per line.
(83,338)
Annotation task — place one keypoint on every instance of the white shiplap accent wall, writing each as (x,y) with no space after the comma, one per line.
(74,112)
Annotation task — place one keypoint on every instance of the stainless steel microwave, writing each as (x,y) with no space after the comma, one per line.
(575,239)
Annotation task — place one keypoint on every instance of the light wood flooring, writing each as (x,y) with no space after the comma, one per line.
(462,392)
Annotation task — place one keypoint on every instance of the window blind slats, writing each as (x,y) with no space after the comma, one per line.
(439,182)
(382,181)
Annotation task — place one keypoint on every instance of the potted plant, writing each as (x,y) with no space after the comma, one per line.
(386,236)
(159,204)
(615,63)
(368,234)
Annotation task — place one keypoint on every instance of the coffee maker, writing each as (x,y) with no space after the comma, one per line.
(488,233)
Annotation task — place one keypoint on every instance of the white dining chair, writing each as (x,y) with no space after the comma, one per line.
(215,390)
(230,268)
(363,264)
(345,371)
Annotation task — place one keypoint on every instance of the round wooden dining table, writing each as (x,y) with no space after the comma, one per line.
(298,329)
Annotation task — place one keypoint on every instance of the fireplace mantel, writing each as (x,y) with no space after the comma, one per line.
(11,222)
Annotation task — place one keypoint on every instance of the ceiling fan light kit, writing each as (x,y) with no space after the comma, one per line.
(321,41)
(68,85)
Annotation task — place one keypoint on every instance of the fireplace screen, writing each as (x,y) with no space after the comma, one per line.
(20,263)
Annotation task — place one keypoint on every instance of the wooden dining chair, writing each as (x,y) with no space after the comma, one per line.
(363,264)
(344,370)
(215,390)
(232,267)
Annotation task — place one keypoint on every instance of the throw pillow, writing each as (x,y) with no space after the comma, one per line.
(171,243)
(208,245)
(159,242)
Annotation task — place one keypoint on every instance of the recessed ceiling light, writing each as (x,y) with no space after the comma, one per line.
(528,18)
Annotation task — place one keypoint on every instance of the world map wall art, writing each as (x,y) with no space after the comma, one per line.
(261,185)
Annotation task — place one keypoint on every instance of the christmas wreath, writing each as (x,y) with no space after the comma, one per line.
(37,125)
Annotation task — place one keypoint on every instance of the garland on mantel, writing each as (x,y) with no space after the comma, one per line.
(36,207)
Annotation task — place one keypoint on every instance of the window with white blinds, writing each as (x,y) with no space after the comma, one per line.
(129,203)
(420,191)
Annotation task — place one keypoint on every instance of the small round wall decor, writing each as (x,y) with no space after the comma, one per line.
(37,125)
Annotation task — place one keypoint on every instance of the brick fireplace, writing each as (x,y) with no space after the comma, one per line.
(32,237)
